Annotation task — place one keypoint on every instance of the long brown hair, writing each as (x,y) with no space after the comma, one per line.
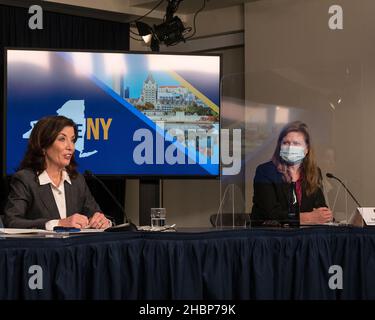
(309,170)
(42,137)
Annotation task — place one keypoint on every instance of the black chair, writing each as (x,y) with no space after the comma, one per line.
(230,220)
(4,190)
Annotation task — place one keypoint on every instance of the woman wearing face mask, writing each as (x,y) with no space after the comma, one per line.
(292,163)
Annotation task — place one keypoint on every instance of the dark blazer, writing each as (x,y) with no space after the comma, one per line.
(31,205)
(271,195)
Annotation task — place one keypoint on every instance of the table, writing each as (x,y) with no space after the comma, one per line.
(221,264)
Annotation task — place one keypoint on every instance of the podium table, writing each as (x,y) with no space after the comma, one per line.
(221,264)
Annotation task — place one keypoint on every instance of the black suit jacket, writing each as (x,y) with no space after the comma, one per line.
(271,195)
(31,205)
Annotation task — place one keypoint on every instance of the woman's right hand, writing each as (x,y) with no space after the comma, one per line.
(317,216)
(76,221)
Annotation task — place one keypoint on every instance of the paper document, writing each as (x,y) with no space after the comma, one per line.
(91,230)
(162,228)
(22,231)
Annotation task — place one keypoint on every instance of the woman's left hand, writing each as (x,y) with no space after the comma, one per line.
(99,221)
(317,216)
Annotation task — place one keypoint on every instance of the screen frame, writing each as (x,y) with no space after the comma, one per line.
(131,176)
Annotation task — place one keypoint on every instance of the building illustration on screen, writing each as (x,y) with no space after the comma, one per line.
(177,108)
(163,102)
(75,110)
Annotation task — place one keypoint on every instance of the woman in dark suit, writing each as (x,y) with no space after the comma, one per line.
(292,163)
(47,191)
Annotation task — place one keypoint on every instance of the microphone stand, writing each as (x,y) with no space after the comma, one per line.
(128,225)
(352,218)
(330,175)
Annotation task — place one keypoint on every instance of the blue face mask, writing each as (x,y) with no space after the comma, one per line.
(292,154)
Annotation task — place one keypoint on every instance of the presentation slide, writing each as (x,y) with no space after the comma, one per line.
(137,114)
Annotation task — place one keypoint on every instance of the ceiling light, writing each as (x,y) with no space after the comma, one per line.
(170,32)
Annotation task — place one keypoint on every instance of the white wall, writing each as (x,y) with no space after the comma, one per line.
(324,77)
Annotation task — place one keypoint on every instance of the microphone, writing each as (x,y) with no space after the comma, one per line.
(331,176)
(128,225)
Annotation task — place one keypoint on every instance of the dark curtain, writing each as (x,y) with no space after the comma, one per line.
(61,31)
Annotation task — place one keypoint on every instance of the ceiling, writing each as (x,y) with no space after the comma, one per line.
(188,6)
(125,10)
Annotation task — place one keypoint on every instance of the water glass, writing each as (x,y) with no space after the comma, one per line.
(158,216)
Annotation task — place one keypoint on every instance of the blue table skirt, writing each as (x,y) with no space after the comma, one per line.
(231,264)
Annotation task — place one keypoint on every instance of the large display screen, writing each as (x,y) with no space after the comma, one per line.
(137,114)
